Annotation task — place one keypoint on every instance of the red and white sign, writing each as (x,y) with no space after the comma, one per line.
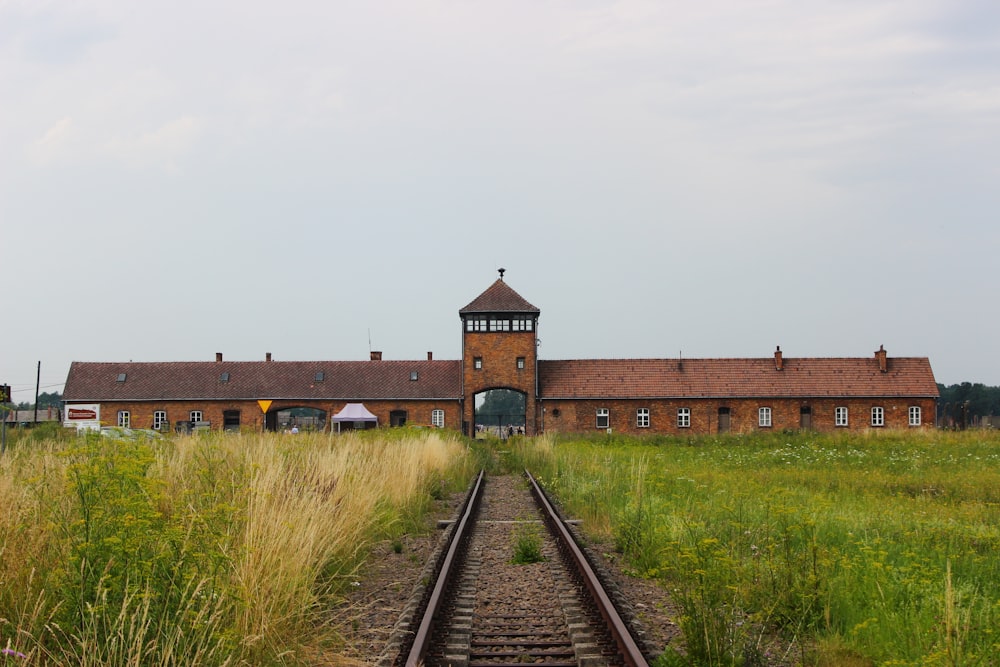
(83,415)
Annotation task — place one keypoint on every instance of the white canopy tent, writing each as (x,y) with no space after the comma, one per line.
(354,413)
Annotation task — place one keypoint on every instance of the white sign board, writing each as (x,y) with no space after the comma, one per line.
(83,416)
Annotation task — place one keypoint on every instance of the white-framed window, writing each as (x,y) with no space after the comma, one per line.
(196,416)
(683,417)
(499,325)
(160,420)
(914,415)
(437,418)
(124,419)
(840,416)
(642,417)
(603,418)
(764,417)
(477,363)
(477,323)
(522,324)
(878,416)
(520,363)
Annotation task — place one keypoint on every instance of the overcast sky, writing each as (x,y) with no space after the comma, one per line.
(315,179)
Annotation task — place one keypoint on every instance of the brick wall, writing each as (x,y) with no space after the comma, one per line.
(499,353)
(251,417)
(581,416)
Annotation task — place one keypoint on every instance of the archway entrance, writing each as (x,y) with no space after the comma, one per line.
(500,413)
(297,419)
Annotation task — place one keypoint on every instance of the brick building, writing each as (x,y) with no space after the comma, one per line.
(499,351)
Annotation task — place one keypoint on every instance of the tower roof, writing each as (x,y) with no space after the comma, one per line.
(499,298)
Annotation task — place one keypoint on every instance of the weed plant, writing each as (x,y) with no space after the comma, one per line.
(872,549)
(215,549)
(527,545)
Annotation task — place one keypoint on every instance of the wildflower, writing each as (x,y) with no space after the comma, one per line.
(12,652)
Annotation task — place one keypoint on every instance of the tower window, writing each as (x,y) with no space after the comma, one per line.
(520,363)
(477,323)
(477,363)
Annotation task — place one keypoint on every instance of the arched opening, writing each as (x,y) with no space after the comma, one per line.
(296,420)
(500,413)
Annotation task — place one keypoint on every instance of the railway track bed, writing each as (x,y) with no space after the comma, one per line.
(494,610)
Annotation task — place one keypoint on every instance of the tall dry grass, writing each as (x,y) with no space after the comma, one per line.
(216,549)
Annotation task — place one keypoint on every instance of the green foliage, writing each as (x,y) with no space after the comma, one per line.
(505,405)
(45,400)
(527,545)
(110,555)
(218,549)
(981,400)
(883,546)
(125,554)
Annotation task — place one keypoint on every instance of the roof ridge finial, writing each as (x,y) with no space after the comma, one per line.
(502,271)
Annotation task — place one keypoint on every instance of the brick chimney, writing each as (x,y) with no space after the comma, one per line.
(218,357)
(430,356)
(883,363)
(779,362)
(267,356)
(376,356)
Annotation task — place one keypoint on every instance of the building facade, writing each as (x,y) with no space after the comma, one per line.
(500,351)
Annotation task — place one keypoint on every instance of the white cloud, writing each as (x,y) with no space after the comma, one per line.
(56,145)
(720,156)
(162,147)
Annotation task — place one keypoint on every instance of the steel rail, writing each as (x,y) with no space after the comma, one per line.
(460,535)
(626,644)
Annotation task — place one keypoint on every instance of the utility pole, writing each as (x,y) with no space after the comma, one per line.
(38,381)
(4,399)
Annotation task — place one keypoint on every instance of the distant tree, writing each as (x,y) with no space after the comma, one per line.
(45,400)
(50,400)
(979,400)
(504,406)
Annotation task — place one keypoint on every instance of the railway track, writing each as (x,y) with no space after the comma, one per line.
(484,610)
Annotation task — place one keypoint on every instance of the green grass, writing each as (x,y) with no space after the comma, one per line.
(214,549)
(527,545)
(879,549)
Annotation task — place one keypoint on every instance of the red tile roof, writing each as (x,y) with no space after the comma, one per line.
(499,298)
(251,380)
(734,378)
(570,379)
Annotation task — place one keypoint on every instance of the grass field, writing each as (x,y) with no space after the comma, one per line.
(878,549)
(210,550)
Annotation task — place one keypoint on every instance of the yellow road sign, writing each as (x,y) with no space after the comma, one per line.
(264,405)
